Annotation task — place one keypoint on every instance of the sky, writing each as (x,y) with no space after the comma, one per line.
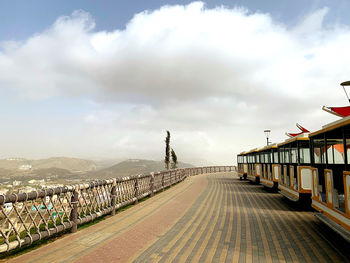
(107,79)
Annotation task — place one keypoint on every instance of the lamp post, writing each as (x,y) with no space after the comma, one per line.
(267,134)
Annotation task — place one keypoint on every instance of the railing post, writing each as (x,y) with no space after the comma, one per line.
(113,196)
(136,191)
(74,212)
(162,181)
(152,184)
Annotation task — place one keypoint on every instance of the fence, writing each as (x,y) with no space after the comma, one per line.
(28,217)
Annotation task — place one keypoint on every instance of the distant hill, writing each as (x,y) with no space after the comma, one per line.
(70,164)
(107,162)
(52,173)
(131,167)
(38,174)
(58,168)
(5,172)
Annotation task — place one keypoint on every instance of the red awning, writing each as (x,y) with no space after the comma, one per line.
(294,134)
(303,130)
(344,111)
(339,111)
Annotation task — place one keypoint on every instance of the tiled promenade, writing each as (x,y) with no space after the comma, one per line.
(207,218)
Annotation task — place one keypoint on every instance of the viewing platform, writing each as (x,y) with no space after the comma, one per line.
(213,217)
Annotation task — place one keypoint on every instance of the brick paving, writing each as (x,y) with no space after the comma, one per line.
(206,218)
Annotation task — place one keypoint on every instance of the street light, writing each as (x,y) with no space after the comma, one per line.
(267,134)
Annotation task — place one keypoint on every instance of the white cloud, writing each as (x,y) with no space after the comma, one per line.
(215,77)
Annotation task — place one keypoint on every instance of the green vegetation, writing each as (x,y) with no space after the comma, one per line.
(174,159)
(167,151)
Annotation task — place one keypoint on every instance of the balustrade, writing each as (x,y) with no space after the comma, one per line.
(28,217)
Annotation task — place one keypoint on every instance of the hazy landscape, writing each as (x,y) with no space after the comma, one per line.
(24,175)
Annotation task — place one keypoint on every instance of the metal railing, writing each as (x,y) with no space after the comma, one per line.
(28,217)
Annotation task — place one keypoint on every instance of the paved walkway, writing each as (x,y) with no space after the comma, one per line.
(207,218)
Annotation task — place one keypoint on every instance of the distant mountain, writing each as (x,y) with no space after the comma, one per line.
(107,162)
(62,168)
(5,172)
(51,173)
(131,167)
(70,164)
(42,173)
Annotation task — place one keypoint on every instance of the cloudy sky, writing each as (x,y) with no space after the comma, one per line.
(106,79)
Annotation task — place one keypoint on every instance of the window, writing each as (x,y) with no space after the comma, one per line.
(275,156)
(335,151)
(286,155)
(305,155)
(330,153)
(294,155)
(348,149)
(281,155)
(319,151)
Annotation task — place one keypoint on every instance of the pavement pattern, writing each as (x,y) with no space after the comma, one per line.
(206,218)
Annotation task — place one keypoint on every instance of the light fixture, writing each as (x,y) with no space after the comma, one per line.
(267,134)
